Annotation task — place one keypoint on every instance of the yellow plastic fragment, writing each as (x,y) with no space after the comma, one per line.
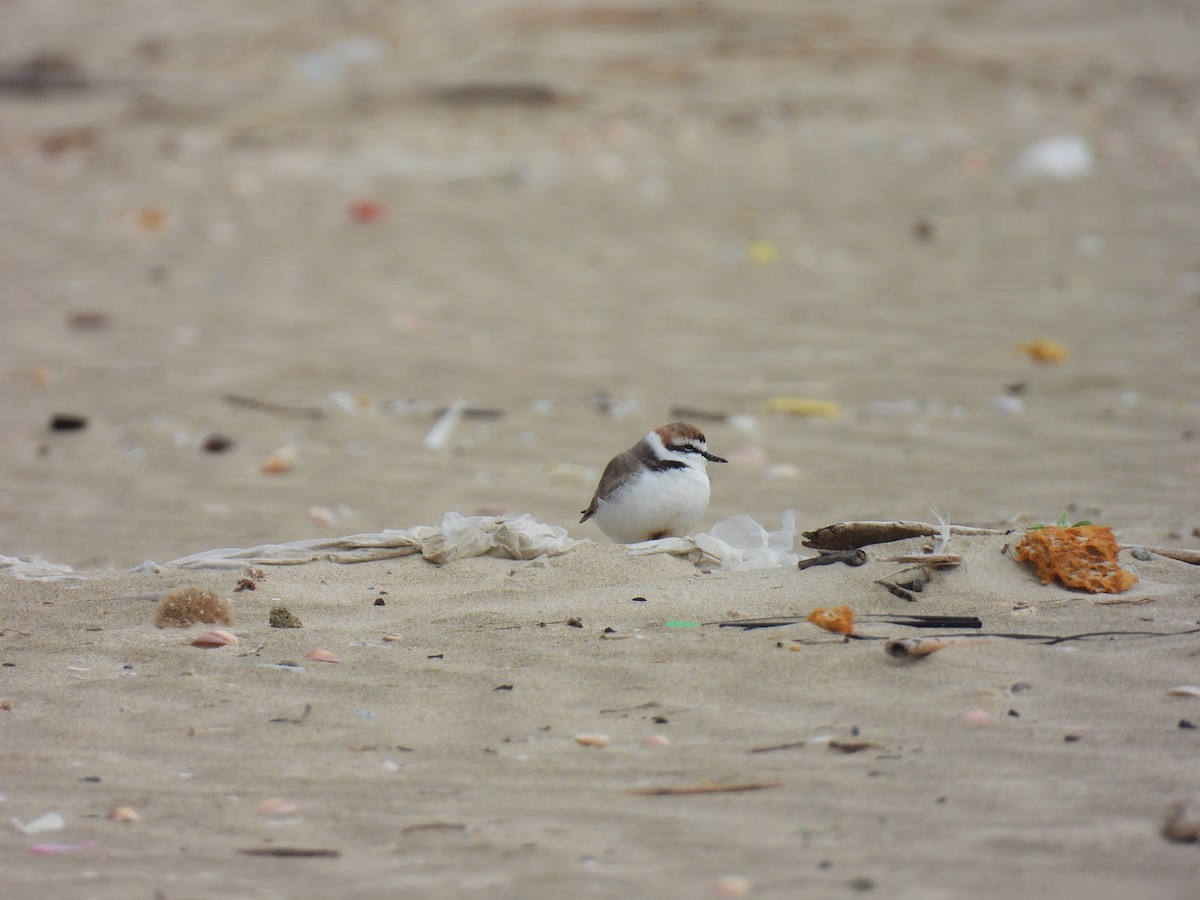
(804,406)
(1045,350)
(762,252)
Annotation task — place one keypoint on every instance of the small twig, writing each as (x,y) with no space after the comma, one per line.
(790,745)
(150,598)
(295,720)
(853,746)
(923,560)
(705,789)
(292,852)
(855,557)
(279,409)
(1092,634)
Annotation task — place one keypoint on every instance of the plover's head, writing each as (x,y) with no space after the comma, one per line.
(684,443)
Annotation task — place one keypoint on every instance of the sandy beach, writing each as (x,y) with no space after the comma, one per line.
(892,258)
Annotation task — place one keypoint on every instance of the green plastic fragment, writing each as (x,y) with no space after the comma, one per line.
(682,623)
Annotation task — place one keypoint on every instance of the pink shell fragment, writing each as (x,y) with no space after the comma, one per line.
(592,740)
(277,806)
(977,717)
(211,639)
(319,655)
(1184,690)
(47,849)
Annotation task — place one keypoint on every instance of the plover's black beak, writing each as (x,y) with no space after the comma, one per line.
(712,457)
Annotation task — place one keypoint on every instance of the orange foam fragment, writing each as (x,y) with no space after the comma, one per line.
(839,619)
(1082,557)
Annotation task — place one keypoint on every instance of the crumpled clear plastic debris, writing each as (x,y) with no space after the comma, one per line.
(512,537)
(738,543)
(459,537)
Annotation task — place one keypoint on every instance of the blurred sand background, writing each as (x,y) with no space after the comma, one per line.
(697,204)
(583,217)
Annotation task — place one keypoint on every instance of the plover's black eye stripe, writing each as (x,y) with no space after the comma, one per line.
(684,448)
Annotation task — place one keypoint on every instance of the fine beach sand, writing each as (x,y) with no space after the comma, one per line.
(586,218)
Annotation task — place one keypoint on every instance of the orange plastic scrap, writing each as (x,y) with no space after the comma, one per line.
(839,619)
(1081,557)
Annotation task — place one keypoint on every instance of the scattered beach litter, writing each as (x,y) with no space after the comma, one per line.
(51,821)
(735,544)
(1064,157)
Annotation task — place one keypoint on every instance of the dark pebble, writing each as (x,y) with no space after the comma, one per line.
(67,422)
(216,443)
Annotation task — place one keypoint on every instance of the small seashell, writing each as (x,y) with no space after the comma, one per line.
(282,460)
(656,740)
(277,806)
(733,886)
(319,655)
(592,740)
(978,717)
(212,639)
(1182,822)
(122,814)
(1184,690)
(322,515)
(393,637)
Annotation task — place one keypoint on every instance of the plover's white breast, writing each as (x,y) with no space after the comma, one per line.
(666,503)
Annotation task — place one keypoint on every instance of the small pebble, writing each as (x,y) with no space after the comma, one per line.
(216,443)
(281,617)
(1181,824)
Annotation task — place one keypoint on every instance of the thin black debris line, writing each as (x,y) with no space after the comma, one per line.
(913,621)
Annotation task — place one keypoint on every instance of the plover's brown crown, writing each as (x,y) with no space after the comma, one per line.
(680,433)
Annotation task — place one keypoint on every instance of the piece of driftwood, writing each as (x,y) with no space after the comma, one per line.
(852,535)
(855,557)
